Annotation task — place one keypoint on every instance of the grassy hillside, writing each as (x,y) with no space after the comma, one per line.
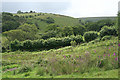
(58,63)
(60,20)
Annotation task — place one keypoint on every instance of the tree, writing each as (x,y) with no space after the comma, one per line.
(10,25)
(67,31)
(30,28)
(78,30)
(108,31)
(50,20)
(16,34)
(91,35)
(53,27)
(19,12)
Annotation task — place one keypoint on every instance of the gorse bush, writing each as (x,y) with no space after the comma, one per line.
(108,31)
(45,44)
(91,35)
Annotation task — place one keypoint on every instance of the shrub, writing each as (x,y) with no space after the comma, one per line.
(37,44)
(91,35)
(27,44)
(15,45)
(108,31)
(106,38)
(50,20)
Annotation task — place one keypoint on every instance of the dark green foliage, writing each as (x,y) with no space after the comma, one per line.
(37,44)
(78,38)
(27,45)
(9,21)
(19,12)
(15,45)
(49,34)
(67,31)
(91,35)
(96,26)
(108,31)
(50,20)
(53,27)
(9,25)
(118,25)
(92,26)
(46,44)
(78,30)
(101,63)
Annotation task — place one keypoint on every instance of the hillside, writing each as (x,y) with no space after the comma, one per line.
(60,20)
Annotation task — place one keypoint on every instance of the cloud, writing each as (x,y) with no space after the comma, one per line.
(92,8)
(35,0)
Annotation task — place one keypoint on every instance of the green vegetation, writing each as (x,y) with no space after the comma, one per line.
(90,60)
(46,45)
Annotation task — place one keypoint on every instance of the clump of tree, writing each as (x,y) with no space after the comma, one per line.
(90,35)
(45,44)
(10,21)
(78,30)
(50,20)
(23,32)
(19,12)
(108,31)
(96,26)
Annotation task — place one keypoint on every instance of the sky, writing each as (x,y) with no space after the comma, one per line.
(84,8)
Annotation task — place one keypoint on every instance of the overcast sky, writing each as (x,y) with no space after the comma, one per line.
(84,8)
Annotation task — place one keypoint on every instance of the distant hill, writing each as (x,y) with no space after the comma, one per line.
(95,19)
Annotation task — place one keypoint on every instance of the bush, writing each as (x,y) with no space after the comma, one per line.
(50,20)
(15,45)
(27,45)
(108,31)
(91,35)
(106,38)
(37,44)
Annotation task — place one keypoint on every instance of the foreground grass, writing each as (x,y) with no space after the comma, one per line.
(54,56)
(94,74)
